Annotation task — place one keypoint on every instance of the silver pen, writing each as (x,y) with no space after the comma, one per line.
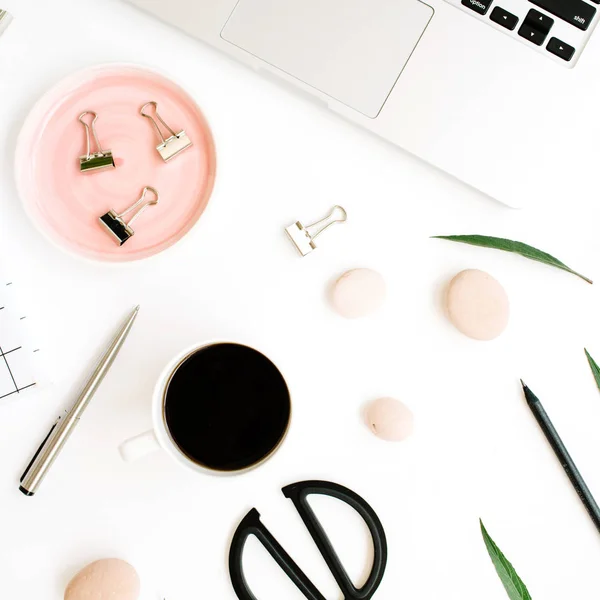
(5,19)
(61,430)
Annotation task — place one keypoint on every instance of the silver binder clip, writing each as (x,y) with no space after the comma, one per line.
(304,240)
(93,161)
(173,145)
(114,222)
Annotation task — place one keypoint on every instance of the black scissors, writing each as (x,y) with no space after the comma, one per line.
(298,493)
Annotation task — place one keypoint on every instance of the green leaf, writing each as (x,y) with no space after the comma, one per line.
(511,246)
(594,367)
(512,583)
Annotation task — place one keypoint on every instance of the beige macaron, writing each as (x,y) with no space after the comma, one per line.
(358,293)
(106,579)
(390,419)
(477,305)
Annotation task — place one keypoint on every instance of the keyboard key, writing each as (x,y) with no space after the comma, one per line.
(535,36)
(560,49)
(479,6)
(539,21)
(536,27)
(504,18)
(576,12)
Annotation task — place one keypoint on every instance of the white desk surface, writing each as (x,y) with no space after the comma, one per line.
(477,451)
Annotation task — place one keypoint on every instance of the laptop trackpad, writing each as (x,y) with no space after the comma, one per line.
(351,50)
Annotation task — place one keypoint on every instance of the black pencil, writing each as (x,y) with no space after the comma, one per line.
(563,456)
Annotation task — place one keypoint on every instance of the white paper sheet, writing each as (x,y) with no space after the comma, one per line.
(19,355)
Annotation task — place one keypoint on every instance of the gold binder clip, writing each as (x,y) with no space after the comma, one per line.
(172,146)
(114,222)
(94,161)
(304,240)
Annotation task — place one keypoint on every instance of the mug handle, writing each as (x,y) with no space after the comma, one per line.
(138,446)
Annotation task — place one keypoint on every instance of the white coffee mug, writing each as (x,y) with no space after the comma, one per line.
(160,437)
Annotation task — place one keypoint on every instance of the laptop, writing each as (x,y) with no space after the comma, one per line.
(502,94)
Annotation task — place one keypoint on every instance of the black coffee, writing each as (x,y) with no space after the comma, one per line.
(227,407)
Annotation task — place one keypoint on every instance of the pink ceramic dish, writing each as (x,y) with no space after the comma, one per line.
(65,204)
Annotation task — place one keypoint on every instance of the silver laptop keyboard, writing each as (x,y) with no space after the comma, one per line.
(558,28)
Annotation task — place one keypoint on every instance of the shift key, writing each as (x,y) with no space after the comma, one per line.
(575,12)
